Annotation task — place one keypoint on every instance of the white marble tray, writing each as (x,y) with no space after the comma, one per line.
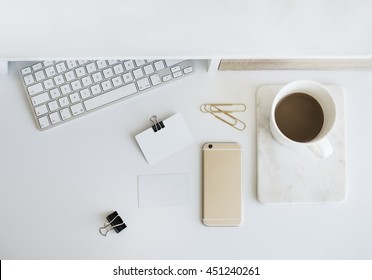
(288,175)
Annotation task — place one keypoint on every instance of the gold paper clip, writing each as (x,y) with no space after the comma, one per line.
(222,107)
(222,110)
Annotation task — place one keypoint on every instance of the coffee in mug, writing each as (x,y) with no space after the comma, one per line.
(303,113)
(299,117)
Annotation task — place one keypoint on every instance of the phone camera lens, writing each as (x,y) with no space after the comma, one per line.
(210,146)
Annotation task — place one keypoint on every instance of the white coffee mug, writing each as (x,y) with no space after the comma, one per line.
(319,145)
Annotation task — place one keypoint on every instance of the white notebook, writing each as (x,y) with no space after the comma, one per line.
(159,142)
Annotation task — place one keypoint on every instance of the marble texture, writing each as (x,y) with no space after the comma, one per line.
(296,175)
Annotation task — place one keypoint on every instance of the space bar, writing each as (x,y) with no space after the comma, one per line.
(110,96)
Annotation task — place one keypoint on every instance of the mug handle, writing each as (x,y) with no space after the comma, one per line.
(321,148)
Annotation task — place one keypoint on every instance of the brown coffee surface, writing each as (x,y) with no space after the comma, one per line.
(299,117)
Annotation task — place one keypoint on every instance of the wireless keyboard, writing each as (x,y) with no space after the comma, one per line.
(59,91)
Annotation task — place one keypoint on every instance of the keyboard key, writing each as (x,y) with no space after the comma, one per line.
(29,79)
(177,74)
(110,96)
(74,97)
(106,85)
(140,62)
(39,75)
(91,67)
(48,63)
(96,89)
(59,80)
(61,67)
(159,65)
(143,84)
(48,84)
(65,113)
(87,81)
(65,89)
(118,69)
(138,73)
(37,66)
(35,89)
(44,122)
(77,109)
(85,93)
(76,85)
(53,106)
(167,78)
(101,64)
(188,70)
(117,81)
(155,79)
(50,71)
(63,102)
(127,78)
(71,64)
(39,99)
(55,93)
(70,76)
(112,62)
(129,65)
(54,118)
(26,71)
(108,73)
(97,77)
(41,110)
(82,62)
(80,72)
(176,69)
(149,69)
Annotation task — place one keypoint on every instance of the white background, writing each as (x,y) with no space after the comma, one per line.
(57,186)
(192,28)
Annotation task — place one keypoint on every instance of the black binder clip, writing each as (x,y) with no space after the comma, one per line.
(114,222)
(157,125)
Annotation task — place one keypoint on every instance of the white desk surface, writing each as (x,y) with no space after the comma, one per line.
(193,28)
(57,186)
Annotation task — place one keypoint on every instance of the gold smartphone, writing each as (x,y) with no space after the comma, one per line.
(222,184)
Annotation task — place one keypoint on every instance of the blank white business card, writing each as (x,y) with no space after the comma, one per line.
(159,144)
(163,190)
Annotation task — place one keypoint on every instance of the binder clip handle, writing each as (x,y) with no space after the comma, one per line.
(103,230)
(157,125)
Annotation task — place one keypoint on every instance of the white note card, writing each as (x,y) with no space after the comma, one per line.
(160,190)
(158,145)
